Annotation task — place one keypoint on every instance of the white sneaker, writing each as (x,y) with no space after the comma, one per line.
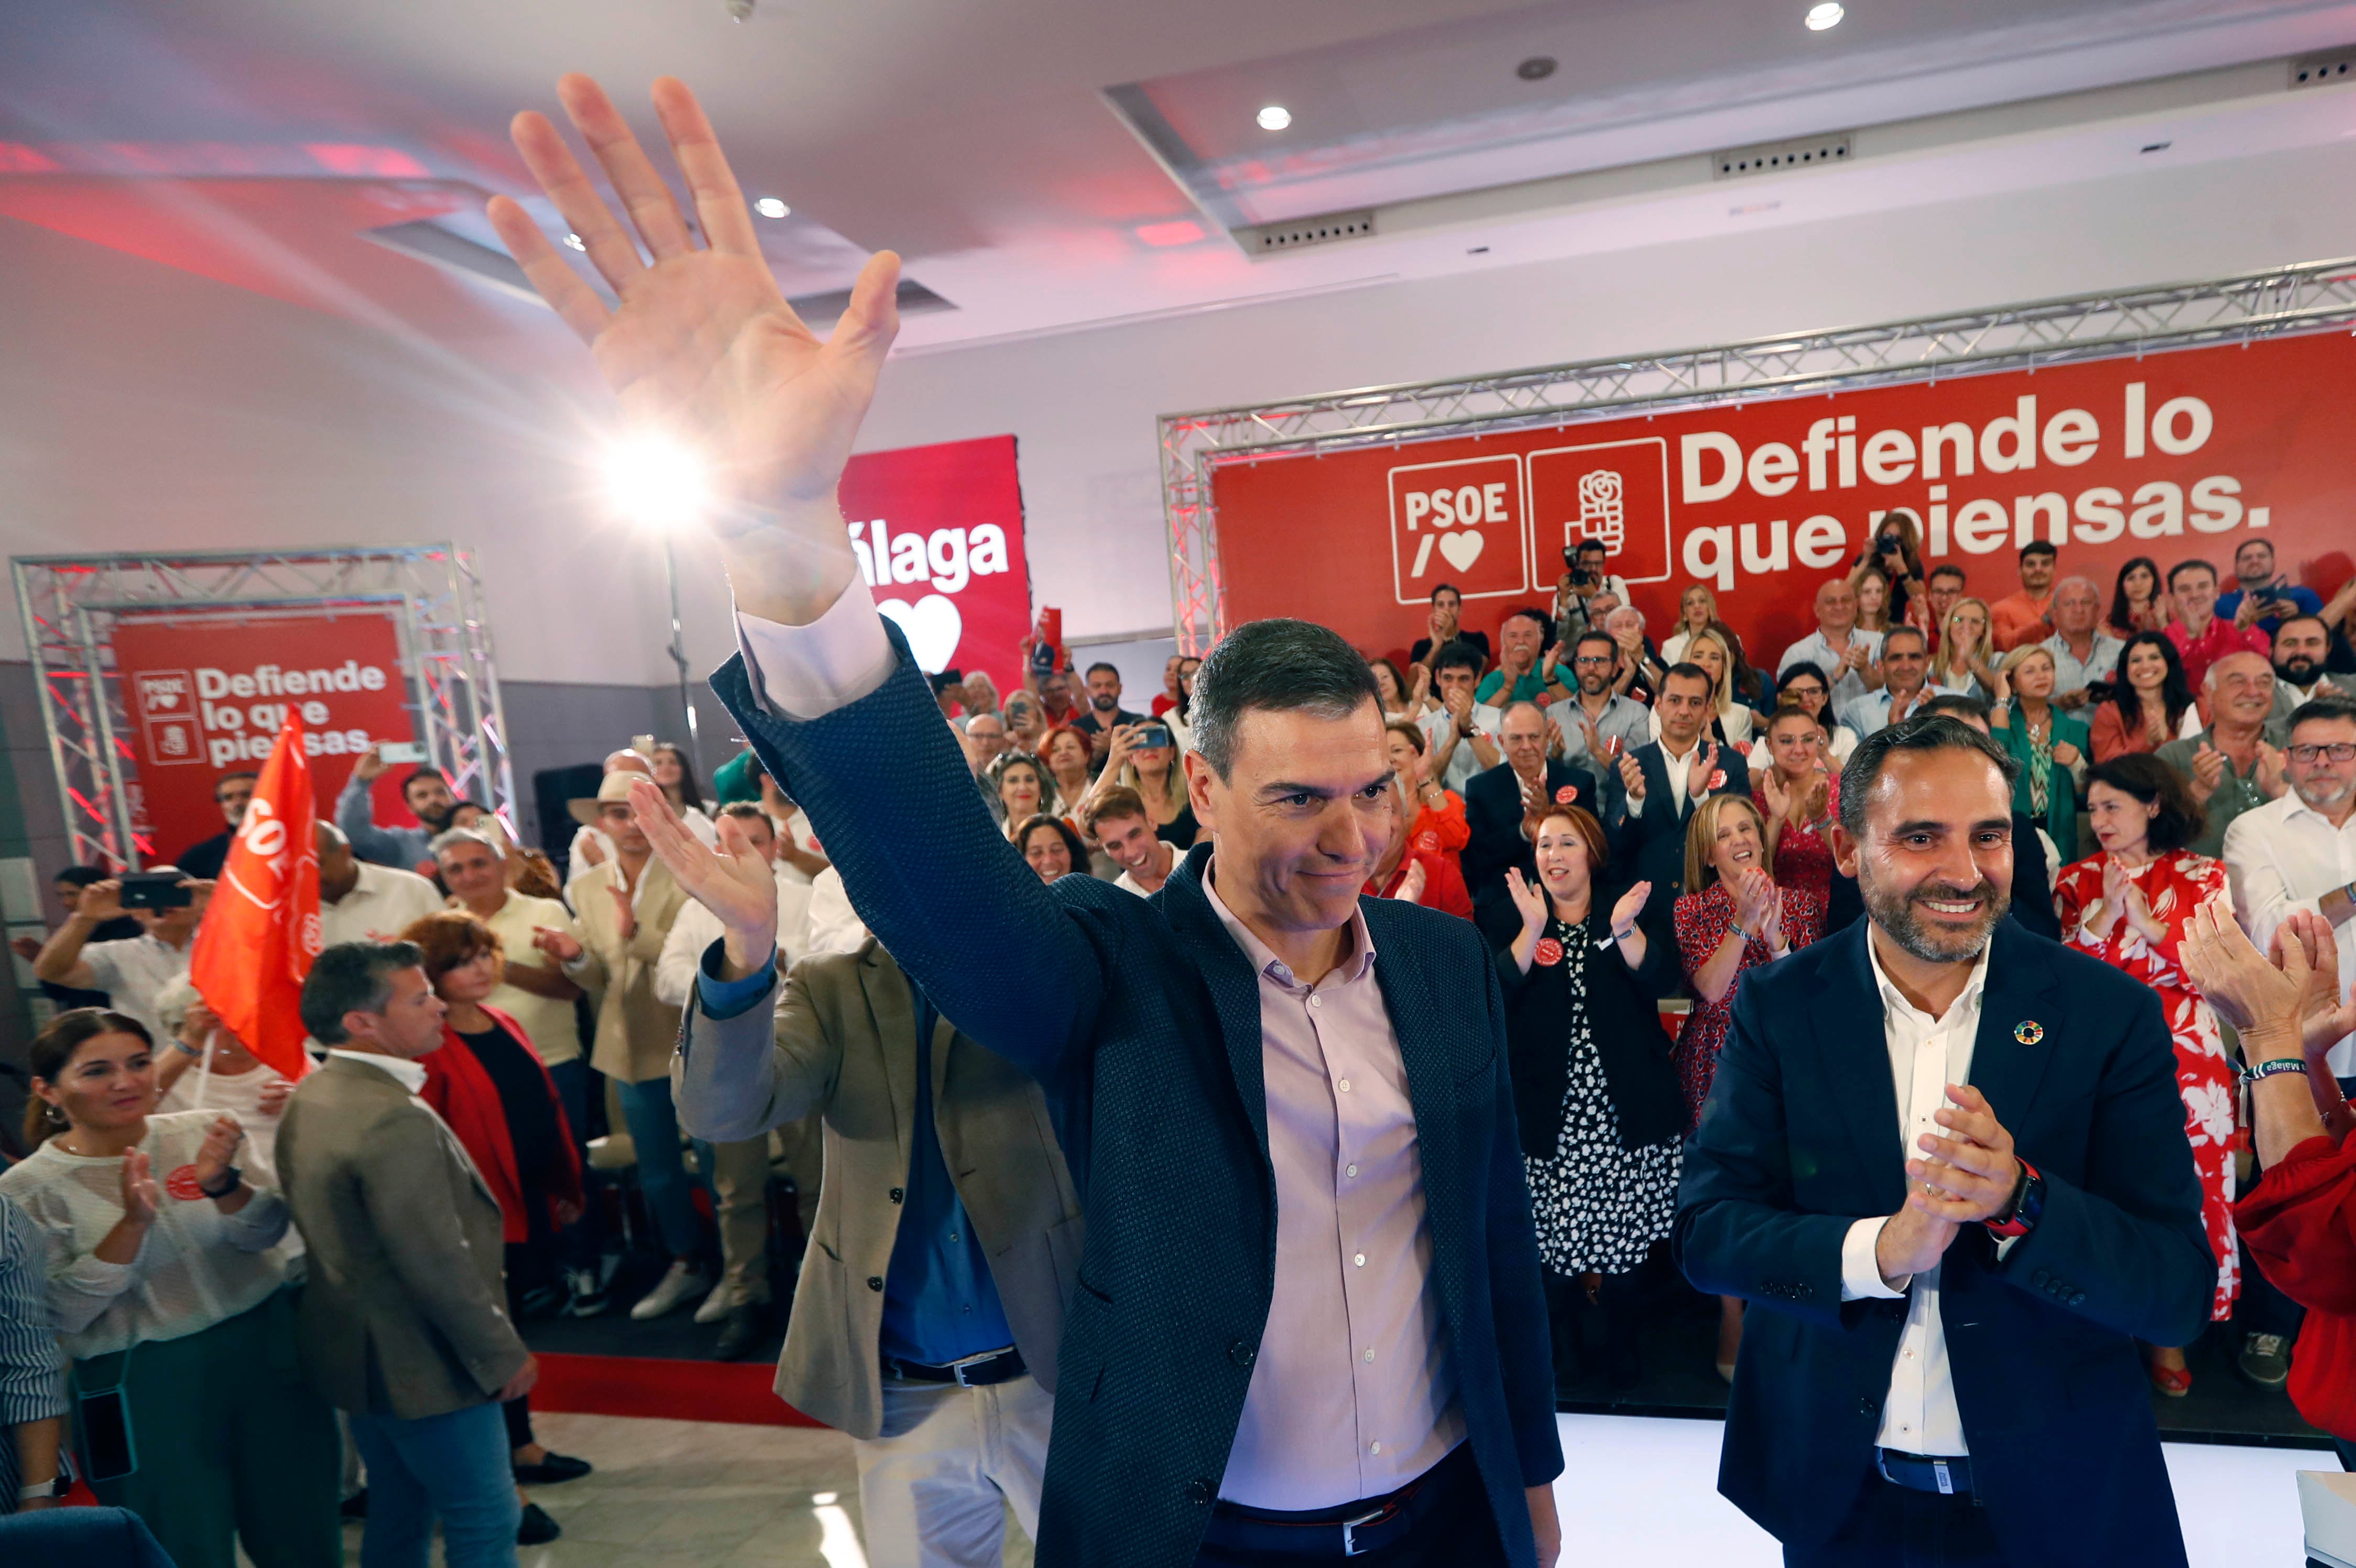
(680,1285)
(714,1307)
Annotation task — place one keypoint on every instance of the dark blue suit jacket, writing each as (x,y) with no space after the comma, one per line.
(1648,844)
(1800,1137)
(1144,1015)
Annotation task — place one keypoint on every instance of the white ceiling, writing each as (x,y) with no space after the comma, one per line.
(256,141)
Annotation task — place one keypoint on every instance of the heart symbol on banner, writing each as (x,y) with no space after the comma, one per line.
(1462,549)
(933,628)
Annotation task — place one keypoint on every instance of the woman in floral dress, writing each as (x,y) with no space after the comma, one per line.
(2129,906)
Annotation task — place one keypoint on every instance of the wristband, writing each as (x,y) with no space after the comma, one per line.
(232,1176)
(37,1492)
(1623,936)
(2028,1205)
(2273,1067)
(1736,927)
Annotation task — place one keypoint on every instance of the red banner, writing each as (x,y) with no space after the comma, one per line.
(2172,455)
(208,696)
(940,535)
(260,929)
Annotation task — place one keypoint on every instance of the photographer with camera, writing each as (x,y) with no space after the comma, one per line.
(1575,592)
(135,971)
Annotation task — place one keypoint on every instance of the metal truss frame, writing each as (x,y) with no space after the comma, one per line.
(2308,297)
(70,604)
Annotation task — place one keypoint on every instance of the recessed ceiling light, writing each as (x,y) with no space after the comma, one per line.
(1827,14)
(1538,68)
(574,241)
(770,207)
(1275,117)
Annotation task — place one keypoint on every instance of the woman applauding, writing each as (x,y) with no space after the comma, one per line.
(1798,796)
(1735,918)
(2049,745)
(1600,1117)
(165,1280)
(2130,906)
(2148,702)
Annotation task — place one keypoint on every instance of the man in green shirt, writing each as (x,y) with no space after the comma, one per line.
(2236,764)
(1517,678)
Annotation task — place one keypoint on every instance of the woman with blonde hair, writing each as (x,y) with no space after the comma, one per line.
(1964,662)
(1697,611)
(2051,745)
(1154,773)
(1732,719)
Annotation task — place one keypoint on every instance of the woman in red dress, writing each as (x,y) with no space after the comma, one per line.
(1734,918)
(1423,863)
(2130,906)
(1798,796)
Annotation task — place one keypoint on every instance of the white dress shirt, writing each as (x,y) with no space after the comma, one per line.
(382,904)
(2283,857)
(1926,1054)
(410,1075)
(697,927)
(1678,766)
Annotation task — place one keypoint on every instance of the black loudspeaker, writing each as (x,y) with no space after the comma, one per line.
(552,790)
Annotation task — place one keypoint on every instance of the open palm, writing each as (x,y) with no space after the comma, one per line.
(700,345)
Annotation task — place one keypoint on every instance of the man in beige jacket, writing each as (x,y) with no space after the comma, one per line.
(403,1324)
(624,908)
(948,1239)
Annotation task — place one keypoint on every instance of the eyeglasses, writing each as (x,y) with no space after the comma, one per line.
(2339,751)
(1602,663)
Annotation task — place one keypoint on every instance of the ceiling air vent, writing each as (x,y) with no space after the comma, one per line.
(2325,69)
(1780,157)
(1268,239)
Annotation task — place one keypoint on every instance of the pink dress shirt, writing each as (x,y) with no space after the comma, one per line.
(1353,1393)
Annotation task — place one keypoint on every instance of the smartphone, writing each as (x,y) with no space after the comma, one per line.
(1152,734)
(154,890)
(103,1423)
(408,751)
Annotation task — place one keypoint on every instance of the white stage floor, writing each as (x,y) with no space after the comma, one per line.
(1642,1489)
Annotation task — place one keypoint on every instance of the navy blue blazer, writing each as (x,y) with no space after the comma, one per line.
(1649,844)
(1800,1138)
(1145,1017)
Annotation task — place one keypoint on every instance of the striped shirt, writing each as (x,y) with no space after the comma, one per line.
(32,1372)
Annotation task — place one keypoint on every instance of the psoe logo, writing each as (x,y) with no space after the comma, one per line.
(1464,523)
(164,692)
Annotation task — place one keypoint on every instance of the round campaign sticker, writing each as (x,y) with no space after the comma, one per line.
(1428,842)
(1718,779)
(182,1184)
(1566,795)
(1611,746)
(1549,952)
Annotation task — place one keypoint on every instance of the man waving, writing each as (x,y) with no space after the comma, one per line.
(1310,1260)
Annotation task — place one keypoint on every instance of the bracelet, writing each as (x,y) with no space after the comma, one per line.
(186,1049)
(1623,936)
(1736,927)
(2273,1068)
(36,1492)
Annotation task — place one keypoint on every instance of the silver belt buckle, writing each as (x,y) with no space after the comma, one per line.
(1350,1547)
(959,1368)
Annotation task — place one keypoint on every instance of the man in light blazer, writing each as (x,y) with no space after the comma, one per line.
(403,1324)
(931,1301)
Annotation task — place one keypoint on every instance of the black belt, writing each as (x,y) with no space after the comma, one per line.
(973,1373)
(1949,1476)
(1350,1529)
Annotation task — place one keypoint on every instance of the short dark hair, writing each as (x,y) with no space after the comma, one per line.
(1948,569)
(1114,804)
(1073,845)
(2039,547)
(1103,664)
(1802,667)
(1934,732)
(750,812)
(2193,563)
(2146,780)
(2288,621)
(1458,655)
(1440,589)
(54,1047)
(83,876)
(1584,545)
(1275,666)
(1957,705)
(1687,670)
(242,773)
(1594,635)
(429,771)
(352,977)
(1916,632)
(2321,710)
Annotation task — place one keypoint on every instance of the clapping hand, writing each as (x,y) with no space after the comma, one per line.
(2270,770)
(371,766)
(1529,901)
(627,912)
(1594,739)
(2264,1001)
(219,1146)
(560,946)
(1631,904)
(273,1098)
(2208,772)
(1970,1174)
(2327,1009)
(734,882)
(1420,693)
(2066,753)
(1411,887)
(701,344)
(140,1197)
(1699,771)
(1631,778)
(1778,798)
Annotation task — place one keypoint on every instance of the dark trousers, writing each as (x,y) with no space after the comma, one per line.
(581,1091)
(1892,1527)
(1458,1532)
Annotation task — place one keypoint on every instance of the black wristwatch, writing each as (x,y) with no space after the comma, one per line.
(230,1177)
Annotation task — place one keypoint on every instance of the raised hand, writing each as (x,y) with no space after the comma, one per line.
(2066,753)
(101,901)
(1411,887)
(1595,747)
(274,1095)
(1631,904)
(592,851)
(1970,1172)
(559,946)
(2208,772)
(2244,990)
(1420,693)
(1698,772)
(1778,798)
(1631,776)
(702,347)
(2329,1008)
(1529,902)
(626,912)
(141,1197)
(371,766)
(219,1148)
(734,882)
(2270,770)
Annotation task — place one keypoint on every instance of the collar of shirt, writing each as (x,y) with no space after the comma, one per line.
(1359,960)
(1906,1012)
(410,1075)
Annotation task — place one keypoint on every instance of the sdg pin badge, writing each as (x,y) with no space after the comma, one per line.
(2029,1031)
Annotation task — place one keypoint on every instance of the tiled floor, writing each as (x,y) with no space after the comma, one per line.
(668,1494)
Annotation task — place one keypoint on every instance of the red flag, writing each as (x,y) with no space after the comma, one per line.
(262,929)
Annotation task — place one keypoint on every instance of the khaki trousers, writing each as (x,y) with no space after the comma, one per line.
(740,1201)
(935,1485)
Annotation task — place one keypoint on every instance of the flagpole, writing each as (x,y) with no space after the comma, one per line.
(204,1068)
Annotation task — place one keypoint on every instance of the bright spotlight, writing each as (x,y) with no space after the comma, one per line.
(770,207)
(1275,117)
(656,482)
(1827,15)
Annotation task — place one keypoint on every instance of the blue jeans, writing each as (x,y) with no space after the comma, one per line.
(662,1174)
(455,1467)
(577,1243)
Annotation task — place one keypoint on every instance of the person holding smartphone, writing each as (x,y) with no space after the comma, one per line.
(135,970)
(2263,596)
(165,1282)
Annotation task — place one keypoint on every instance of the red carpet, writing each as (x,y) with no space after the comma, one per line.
(737,1392)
